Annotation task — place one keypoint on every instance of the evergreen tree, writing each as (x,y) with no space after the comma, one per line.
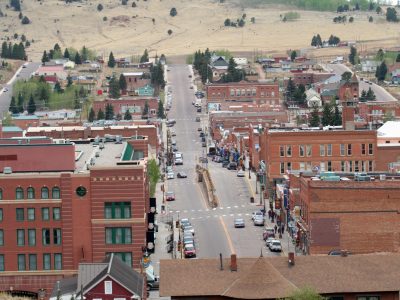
(319,40)
(20,104)
(45,57)
(398,58)
(160,111)
(380,54)
(84,53)
(109,112)
(145,57)
(314,118)
(370,95)
(353,56)
(299,94)
(127,115)
(100,115)
(77,103)
(4,50)
(327,115)
(363,96)
(337,117)
(57,87)
(25,20)
(16,4)
(91,115)
(111,60)
(66,53)
(122,82)
(290,89)
(13,106)
(346,76)
(78,59)
(113,89)
(157,76)
(293,55)
(31,106)
(145,112)
(69,81)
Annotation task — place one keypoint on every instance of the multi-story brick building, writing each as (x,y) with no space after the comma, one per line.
(345,213)
(135,80)
(52,220)
(135,105)
(320,150)
(255,93)
(308,78)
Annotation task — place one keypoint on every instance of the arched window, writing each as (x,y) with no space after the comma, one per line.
(19,193)
(30,192)
(55,193)
(45,193)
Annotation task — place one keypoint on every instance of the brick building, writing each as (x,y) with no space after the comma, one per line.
(341,211)
(284,150)
(24,122)
(135,80)
(52,221)
(255,93)
(135,105)
(308,78)
(349,90)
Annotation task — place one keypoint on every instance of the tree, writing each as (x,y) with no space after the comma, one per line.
(66,53)
(122,82)
(363,96)
(16,4)
(78,59)
(173,12)
(100,115)
(241,23)
(253,20)
(346,76)
(45,57)
(299,94)
(357,7)
(69,81)
(99,7)
(23,38)
(145,57)
(391,14)
(398,58)
(127,115)
(227,22)
(84,53)
(57,88)
(111,60)
(109,112)
(371,5)
(113,88)
(169,31)
(124,2)
(20,104)
(370,19)
(160,111)
(353,59)
(153,173)
(4,50)
(305,294)
(13,106)
(25,20)
(381,71)
(31,106)
(337,117)
(157,76)
(145,112)
(91,115)
(333,40)
(351,19)
(293,55)
(370,95)
(378,10)
(314,118)
(133,4)
(327,115)
(290,89)
(380,54)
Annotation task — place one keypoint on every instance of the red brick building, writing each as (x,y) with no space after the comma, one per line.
(135,80)
(24,122)
(135,105)
(349,90)
(253,93)
(52,221)
(307,78)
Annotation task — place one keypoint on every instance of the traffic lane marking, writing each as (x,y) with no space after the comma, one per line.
(228,237)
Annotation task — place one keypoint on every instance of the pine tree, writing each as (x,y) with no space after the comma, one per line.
(78,59)
(293,55)
(20,104)
(381,71)
(398,58)
(109,112)
(100,115)
(84,53)
(13,106)
(314,118)
(290,89)
(91,115)
(31,106)
(122,82)
(353,55)
(370,95)
(111,60)
(113,88)
(66,53)
(127,115)
(337,117)
(160,111)
(327,115)
(363,96)
(145,112)
(45,57)
(4,50)
(145,57)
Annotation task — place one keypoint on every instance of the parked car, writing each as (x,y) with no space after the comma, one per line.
(268,232)
(197,119)
(173,133)
(256,213)
(189,229)
(187,234)
(258,220)
(170,196)
(338,252)
(184,222)
(240,173)
(169,169)
(175,148)
(178,161)
(204,144)
(173,142)
(232,166)
(198,109)
(201,134)
(239,223)
(189,250)
(275,246)
(269,241)
(199,129)
(182,175)
(225,164)
(170,175)
(188,240)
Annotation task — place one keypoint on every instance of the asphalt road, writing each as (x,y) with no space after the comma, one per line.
(210,234)
(21,74)
(380,93)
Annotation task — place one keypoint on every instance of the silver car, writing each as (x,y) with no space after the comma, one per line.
(258,220)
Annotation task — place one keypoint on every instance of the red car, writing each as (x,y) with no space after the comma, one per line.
(170,196)
(189,251)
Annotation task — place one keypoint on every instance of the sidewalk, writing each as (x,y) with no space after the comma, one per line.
(254,188)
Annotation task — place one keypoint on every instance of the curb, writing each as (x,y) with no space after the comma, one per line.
(250,186)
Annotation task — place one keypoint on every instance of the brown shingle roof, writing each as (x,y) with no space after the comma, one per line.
(272,277)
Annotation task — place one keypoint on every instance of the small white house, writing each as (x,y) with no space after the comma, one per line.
(313,98)
(369,66)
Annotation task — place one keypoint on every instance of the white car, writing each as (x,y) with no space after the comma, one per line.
(256,214)
(240,173)
(170,175)
(269,241)
(189,229)
(178,161)
(258,220)
(275,246)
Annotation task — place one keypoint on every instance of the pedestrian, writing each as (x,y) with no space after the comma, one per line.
(283,227)
(275,228)
(269,214)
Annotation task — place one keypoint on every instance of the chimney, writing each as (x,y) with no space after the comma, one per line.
(348,112)
(233,262)
(291,258)
(221,267)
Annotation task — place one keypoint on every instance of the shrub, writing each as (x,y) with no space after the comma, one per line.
(291,16)
(370,19)
(25,20)
(169,31)
(351,20)
(100,7)
(124,2)
(173,12)
(133,4)
(104,19)
(227,22)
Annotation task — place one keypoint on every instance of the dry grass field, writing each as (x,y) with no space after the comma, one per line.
(198,25)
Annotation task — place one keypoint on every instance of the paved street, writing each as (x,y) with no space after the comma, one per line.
(22,73)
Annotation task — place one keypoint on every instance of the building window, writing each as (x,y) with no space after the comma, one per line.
(363,149)
(2,268)
(322,150)
(117,210)
(1,237)
(329,149)
(32,262)
(342,150)
(335,298)
(243,92)
(46,261)
(342,166)
(30,193)
(350,166)
(282,167)
(309,150)
(289,151)
(19,214)
(118,235)
(356,166)
(349,152)
(254,92)
(368,297)
(19,193)
(232,92)
(126,257)
(308,166)
(31,214)
(322,166)
(370,166)
(248,92)
(45,193)
(45,213)
(370,149)
(1,214)
(302,166)
(57,236)
(31,237)
(46,237)
(237,92)
(56,213)
(57,261)
(21,262)
(289,166)
(55,193)
(281,151)
(329,166)
(301,150)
